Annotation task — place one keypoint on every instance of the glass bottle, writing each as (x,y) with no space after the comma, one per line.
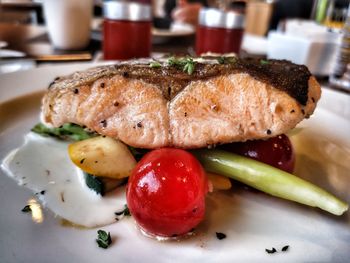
(219,31)
(341,71)
(126,30)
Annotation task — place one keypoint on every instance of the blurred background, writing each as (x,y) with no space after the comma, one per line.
(36,33)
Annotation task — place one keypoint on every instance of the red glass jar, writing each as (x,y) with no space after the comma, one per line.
(219,31)
(126,30)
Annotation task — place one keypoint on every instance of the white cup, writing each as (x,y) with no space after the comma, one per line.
(68,22)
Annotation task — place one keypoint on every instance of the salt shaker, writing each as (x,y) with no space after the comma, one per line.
(219,31)
(126,30)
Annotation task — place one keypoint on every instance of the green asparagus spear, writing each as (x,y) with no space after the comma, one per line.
(67,131)
(269,179)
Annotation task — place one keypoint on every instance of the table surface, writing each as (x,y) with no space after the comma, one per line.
(33,40)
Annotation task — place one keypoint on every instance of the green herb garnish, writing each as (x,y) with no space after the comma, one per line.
(264,62)
(226,60)
(172,61)
(68,131)
(102,185)
(270,251)
(185,64)
(103,239)
(189,66)
(155,64)
(285,248)
(94,183)
(26,209)
(221,60)
(124,212)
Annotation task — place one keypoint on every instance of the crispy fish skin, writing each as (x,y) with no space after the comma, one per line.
(157,107)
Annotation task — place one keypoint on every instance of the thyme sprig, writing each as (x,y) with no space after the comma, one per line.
(270,251)
(103,239)
(226,60)
(26,209)
(264,62)
(155,64)
(185,64)
(124,212)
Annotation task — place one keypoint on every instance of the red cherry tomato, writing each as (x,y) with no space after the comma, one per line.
(277,151)
(166,192)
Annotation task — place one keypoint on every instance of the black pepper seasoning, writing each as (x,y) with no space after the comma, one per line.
(62,197)
(104,123)
(220,235)
(169,91)
(271,251)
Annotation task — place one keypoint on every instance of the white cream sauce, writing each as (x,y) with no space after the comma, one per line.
(43,165)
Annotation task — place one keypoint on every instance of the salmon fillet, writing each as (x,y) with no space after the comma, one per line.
(149,107)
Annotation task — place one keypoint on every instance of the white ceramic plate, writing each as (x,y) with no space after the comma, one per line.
(252,221)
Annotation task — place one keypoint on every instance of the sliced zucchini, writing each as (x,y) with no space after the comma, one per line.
(102,156)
